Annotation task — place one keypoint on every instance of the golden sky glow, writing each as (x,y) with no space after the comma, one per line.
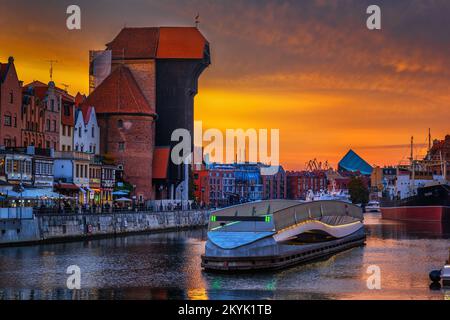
(308,68)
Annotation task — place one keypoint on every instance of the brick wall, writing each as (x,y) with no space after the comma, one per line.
(10,108)
(130,140)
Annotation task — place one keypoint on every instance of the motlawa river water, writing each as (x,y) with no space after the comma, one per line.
(167,266)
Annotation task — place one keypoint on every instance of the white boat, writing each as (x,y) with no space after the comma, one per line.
(373,206)
(323,195)
(445,275)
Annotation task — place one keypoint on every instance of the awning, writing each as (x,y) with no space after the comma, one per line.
(121,193)
(67,186)
(36,193)
(160,162)
(123,200)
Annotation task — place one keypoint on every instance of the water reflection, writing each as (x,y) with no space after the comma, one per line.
(167,266)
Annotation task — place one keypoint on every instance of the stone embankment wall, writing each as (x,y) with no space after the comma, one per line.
(50,227)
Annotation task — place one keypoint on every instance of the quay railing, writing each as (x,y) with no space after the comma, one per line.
(57,211)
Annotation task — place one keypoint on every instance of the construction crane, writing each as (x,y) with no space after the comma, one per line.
(314,165)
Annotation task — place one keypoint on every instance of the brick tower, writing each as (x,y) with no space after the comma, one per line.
(126,121)
(166,63)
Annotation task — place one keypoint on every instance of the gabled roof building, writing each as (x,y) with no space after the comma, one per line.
(143,94)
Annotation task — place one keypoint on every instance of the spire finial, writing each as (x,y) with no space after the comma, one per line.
(51,68)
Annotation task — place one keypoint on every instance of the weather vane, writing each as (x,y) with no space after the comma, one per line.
(197,21)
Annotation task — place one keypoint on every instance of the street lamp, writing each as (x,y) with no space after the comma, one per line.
(203,196)
(181,189)
(161,188)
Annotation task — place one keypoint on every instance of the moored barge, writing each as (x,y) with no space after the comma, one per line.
(276,234)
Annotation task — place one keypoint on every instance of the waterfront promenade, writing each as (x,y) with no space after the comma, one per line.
(53,227)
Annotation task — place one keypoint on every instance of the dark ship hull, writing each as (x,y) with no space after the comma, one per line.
(430,204)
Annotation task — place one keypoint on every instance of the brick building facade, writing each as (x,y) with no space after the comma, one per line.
(300,182)
(275,186)
(10,105)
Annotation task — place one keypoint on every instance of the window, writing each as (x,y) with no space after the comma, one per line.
(93,132)
(7,121)
(79,132)
(66,110)
(77,174)
(68,148)
(15,121)
(63,130)
(48,125)
(7,142)
(63,147)
(47,144)
(120,123)
(93,148)
(82,148)
(69,131)
(11,97)
(52,105)
(54,125)
(121,146)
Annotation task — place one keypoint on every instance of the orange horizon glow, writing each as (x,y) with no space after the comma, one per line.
(314,71)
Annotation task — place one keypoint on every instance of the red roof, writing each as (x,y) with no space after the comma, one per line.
(79,98)
(160,162)
(134,43)
(119,93)
(161,43)
(180,43)
(40,90)
(86,112)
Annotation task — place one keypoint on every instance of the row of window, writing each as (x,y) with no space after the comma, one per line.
(95,173)
(92,148)
(80,130)
(18,166)
(44,168)
(66,130)
(49,128)
(81,171)
(225,175)
(10,121)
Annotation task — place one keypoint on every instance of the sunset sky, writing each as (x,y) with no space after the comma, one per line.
(309,68)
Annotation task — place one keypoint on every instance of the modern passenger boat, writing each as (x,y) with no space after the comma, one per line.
(275,234)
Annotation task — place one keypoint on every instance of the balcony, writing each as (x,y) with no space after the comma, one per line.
(73,155)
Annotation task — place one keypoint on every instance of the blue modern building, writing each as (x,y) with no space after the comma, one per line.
(352,162)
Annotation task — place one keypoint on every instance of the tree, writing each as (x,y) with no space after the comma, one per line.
(359,193)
